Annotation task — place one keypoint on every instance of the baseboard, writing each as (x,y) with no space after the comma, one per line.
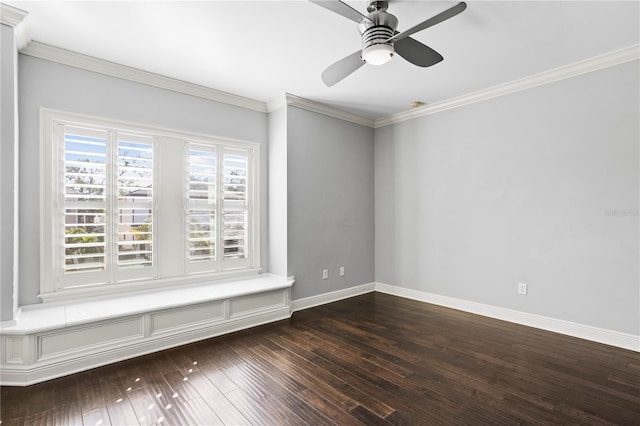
(321,299)
(595,334)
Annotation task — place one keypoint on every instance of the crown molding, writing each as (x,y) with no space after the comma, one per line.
(78,60)
(11,16)
(320,108)
(17,19)
(595,63)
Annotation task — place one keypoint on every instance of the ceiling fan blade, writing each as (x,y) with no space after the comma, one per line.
(343,68)
(449,13)
(417,53)
(341,9)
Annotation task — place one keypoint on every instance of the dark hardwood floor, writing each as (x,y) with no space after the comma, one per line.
(372,359)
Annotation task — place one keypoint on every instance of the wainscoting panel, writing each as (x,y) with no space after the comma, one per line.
(252,304)
(92,337)
(188,318)
(44,343)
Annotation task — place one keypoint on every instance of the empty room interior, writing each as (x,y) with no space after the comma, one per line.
(320,212)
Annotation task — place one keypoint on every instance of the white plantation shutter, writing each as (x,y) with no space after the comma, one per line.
(135,202)
(218,223)
(202,193)
(235,210)
(107,194)
(138,206)
(84,197)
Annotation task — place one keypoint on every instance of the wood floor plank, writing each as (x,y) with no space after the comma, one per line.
(40,418)
(285,387)
(115,397)
(371,359)
(199,387)
(67,414)
(96,417)
(355,389)
(15,421)
(120,411)
(281,399)
(367,417)
(201,413)
(148,410)
(322,383)
(255,413)
(12,407)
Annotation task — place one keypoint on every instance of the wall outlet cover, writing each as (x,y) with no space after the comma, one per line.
(522,288)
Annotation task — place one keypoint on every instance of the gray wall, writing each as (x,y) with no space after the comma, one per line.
(52,85)
(330,203)
(539,186)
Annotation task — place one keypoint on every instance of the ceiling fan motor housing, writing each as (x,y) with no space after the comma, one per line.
(379,28)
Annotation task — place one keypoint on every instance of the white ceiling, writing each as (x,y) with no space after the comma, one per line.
(262,49)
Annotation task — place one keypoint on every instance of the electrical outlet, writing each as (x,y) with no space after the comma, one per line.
(342,271)
(325,274)
(522,288)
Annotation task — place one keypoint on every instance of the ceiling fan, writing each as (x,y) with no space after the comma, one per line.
(380,40)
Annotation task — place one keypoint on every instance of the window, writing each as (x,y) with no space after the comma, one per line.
(126,207)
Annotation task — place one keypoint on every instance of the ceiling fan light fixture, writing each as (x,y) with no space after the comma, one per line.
(377,54)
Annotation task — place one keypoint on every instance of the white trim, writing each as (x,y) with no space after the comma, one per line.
(321,299)
(11,16)
(320,108)
(50,113)
(17,19)
(50,341)
(78,60)
(277,103)
(595,334)
(55,54)
(595,63)
(19,375)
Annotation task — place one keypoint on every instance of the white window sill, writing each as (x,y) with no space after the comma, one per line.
(43,317)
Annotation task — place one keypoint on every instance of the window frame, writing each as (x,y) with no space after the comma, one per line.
(169,271)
